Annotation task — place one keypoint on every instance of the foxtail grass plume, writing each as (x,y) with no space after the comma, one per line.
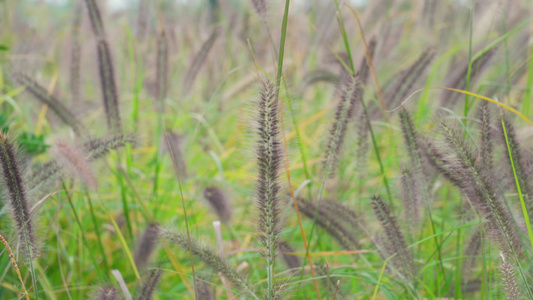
(410,199)
(176,145)
(364,69)
(472,250)
(143,17)
(214,261)
(75,161)
(219,202)
(292,261)
(328,222)
(204,290)
(443,164)
(14,191)
(486,147)
(342,213)
(510,285)
(146,245)
(96,18)
(149,285)
(93,149)
(350,96)
(414,183)
(260,7)
(54,104)
(407,78)
(106,293)
(269,159)
(395,241)
(109,87)
(199,60)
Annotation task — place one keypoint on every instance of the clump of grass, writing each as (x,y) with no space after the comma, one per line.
(149,285)
(14,191)
(214,261)
(41,94)
(219,202)
(475,183)
(146,245)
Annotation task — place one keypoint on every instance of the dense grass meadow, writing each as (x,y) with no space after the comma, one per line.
(237,149)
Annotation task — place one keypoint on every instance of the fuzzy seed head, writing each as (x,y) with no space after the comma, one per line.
(219,202)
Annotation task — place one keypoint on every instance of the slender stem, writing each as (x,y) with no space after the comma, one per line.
(184,213)
(469,59)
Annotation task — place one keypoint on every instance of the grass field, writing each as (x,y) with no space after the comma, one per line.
(266,149)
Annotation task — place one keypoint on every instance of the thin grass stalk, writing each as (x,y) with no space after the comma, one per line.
(469,70)
(162,69)
(75,54)
(82,231)
(14,190)
(279,79)
(184,213)
(294,201)
(14,263)
(517,181)
(149,285)
(97,232)
(512,143)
